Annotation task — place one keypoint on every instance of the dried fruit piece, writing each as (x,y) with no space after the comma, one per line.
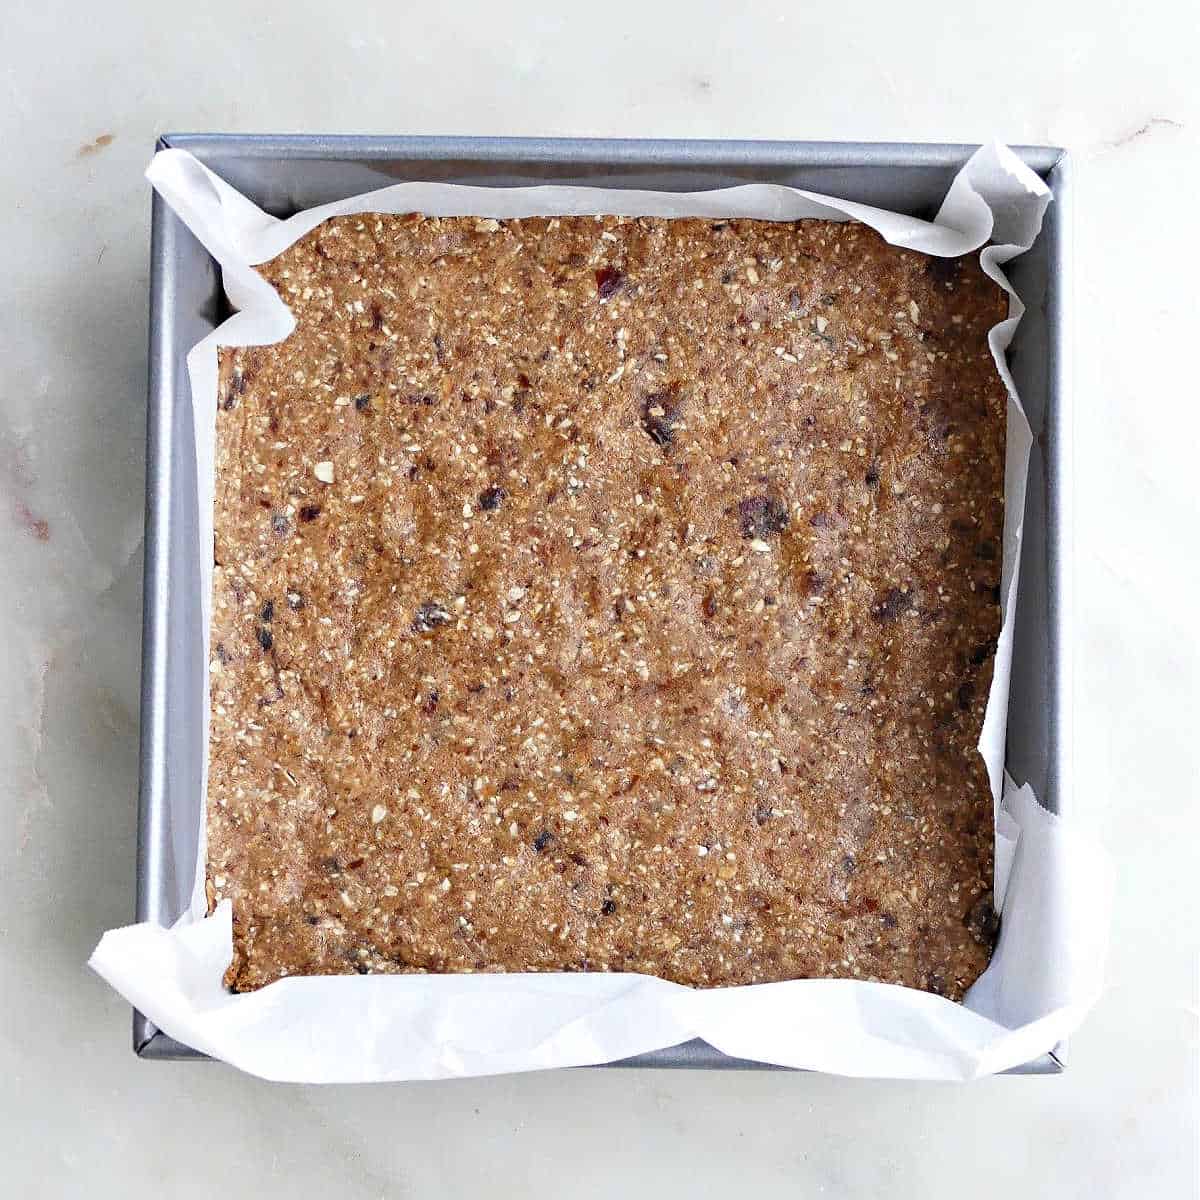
(660,415)
(430,616)
(944,271)
(542,840)
(491,499)
(982,920)
(813,583)
(982,653)
(608,282)
(762,516)
(310,512)
(891,605)
(237,387)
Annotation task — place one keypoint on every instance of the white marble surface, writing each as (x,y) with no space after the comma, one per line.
(1114,82)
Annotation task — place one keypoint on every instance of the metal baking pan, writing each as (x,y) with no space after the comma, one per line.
(287,173)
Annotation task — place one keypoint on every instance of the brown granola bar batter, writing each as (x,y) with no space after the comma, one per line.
(608,594)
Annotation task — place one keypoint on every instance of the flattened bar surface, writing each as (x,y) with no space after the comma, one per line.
(608,594)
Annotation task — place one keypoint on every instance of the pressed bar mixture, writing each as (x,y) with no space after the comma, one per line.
(608,594)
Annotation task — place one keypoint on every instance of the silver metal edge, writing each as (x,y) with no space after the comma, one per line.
(1060,518)
(1049,162)
(152,750)
(609,151)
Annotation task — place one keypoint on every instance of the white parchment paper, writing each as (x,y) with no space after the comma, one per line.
(1052,884)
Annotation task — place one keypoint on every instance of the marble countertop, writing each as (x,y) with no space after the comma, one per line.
(84,100)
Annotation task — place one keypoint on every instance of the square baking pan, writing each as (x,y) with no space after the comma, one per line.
(284,174)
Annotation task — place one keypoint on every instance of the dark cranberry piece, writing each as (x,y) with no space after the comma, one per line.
(430,616)
(542,840)
(310,512)
(943,271)
(982,920)
(660,414)
(761,516)
(814,583)
(982,653)
(608,907)
(265,640)
(608,282)
(491,499)
(362,403)
(237,386)
(894,603)
(872,476)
